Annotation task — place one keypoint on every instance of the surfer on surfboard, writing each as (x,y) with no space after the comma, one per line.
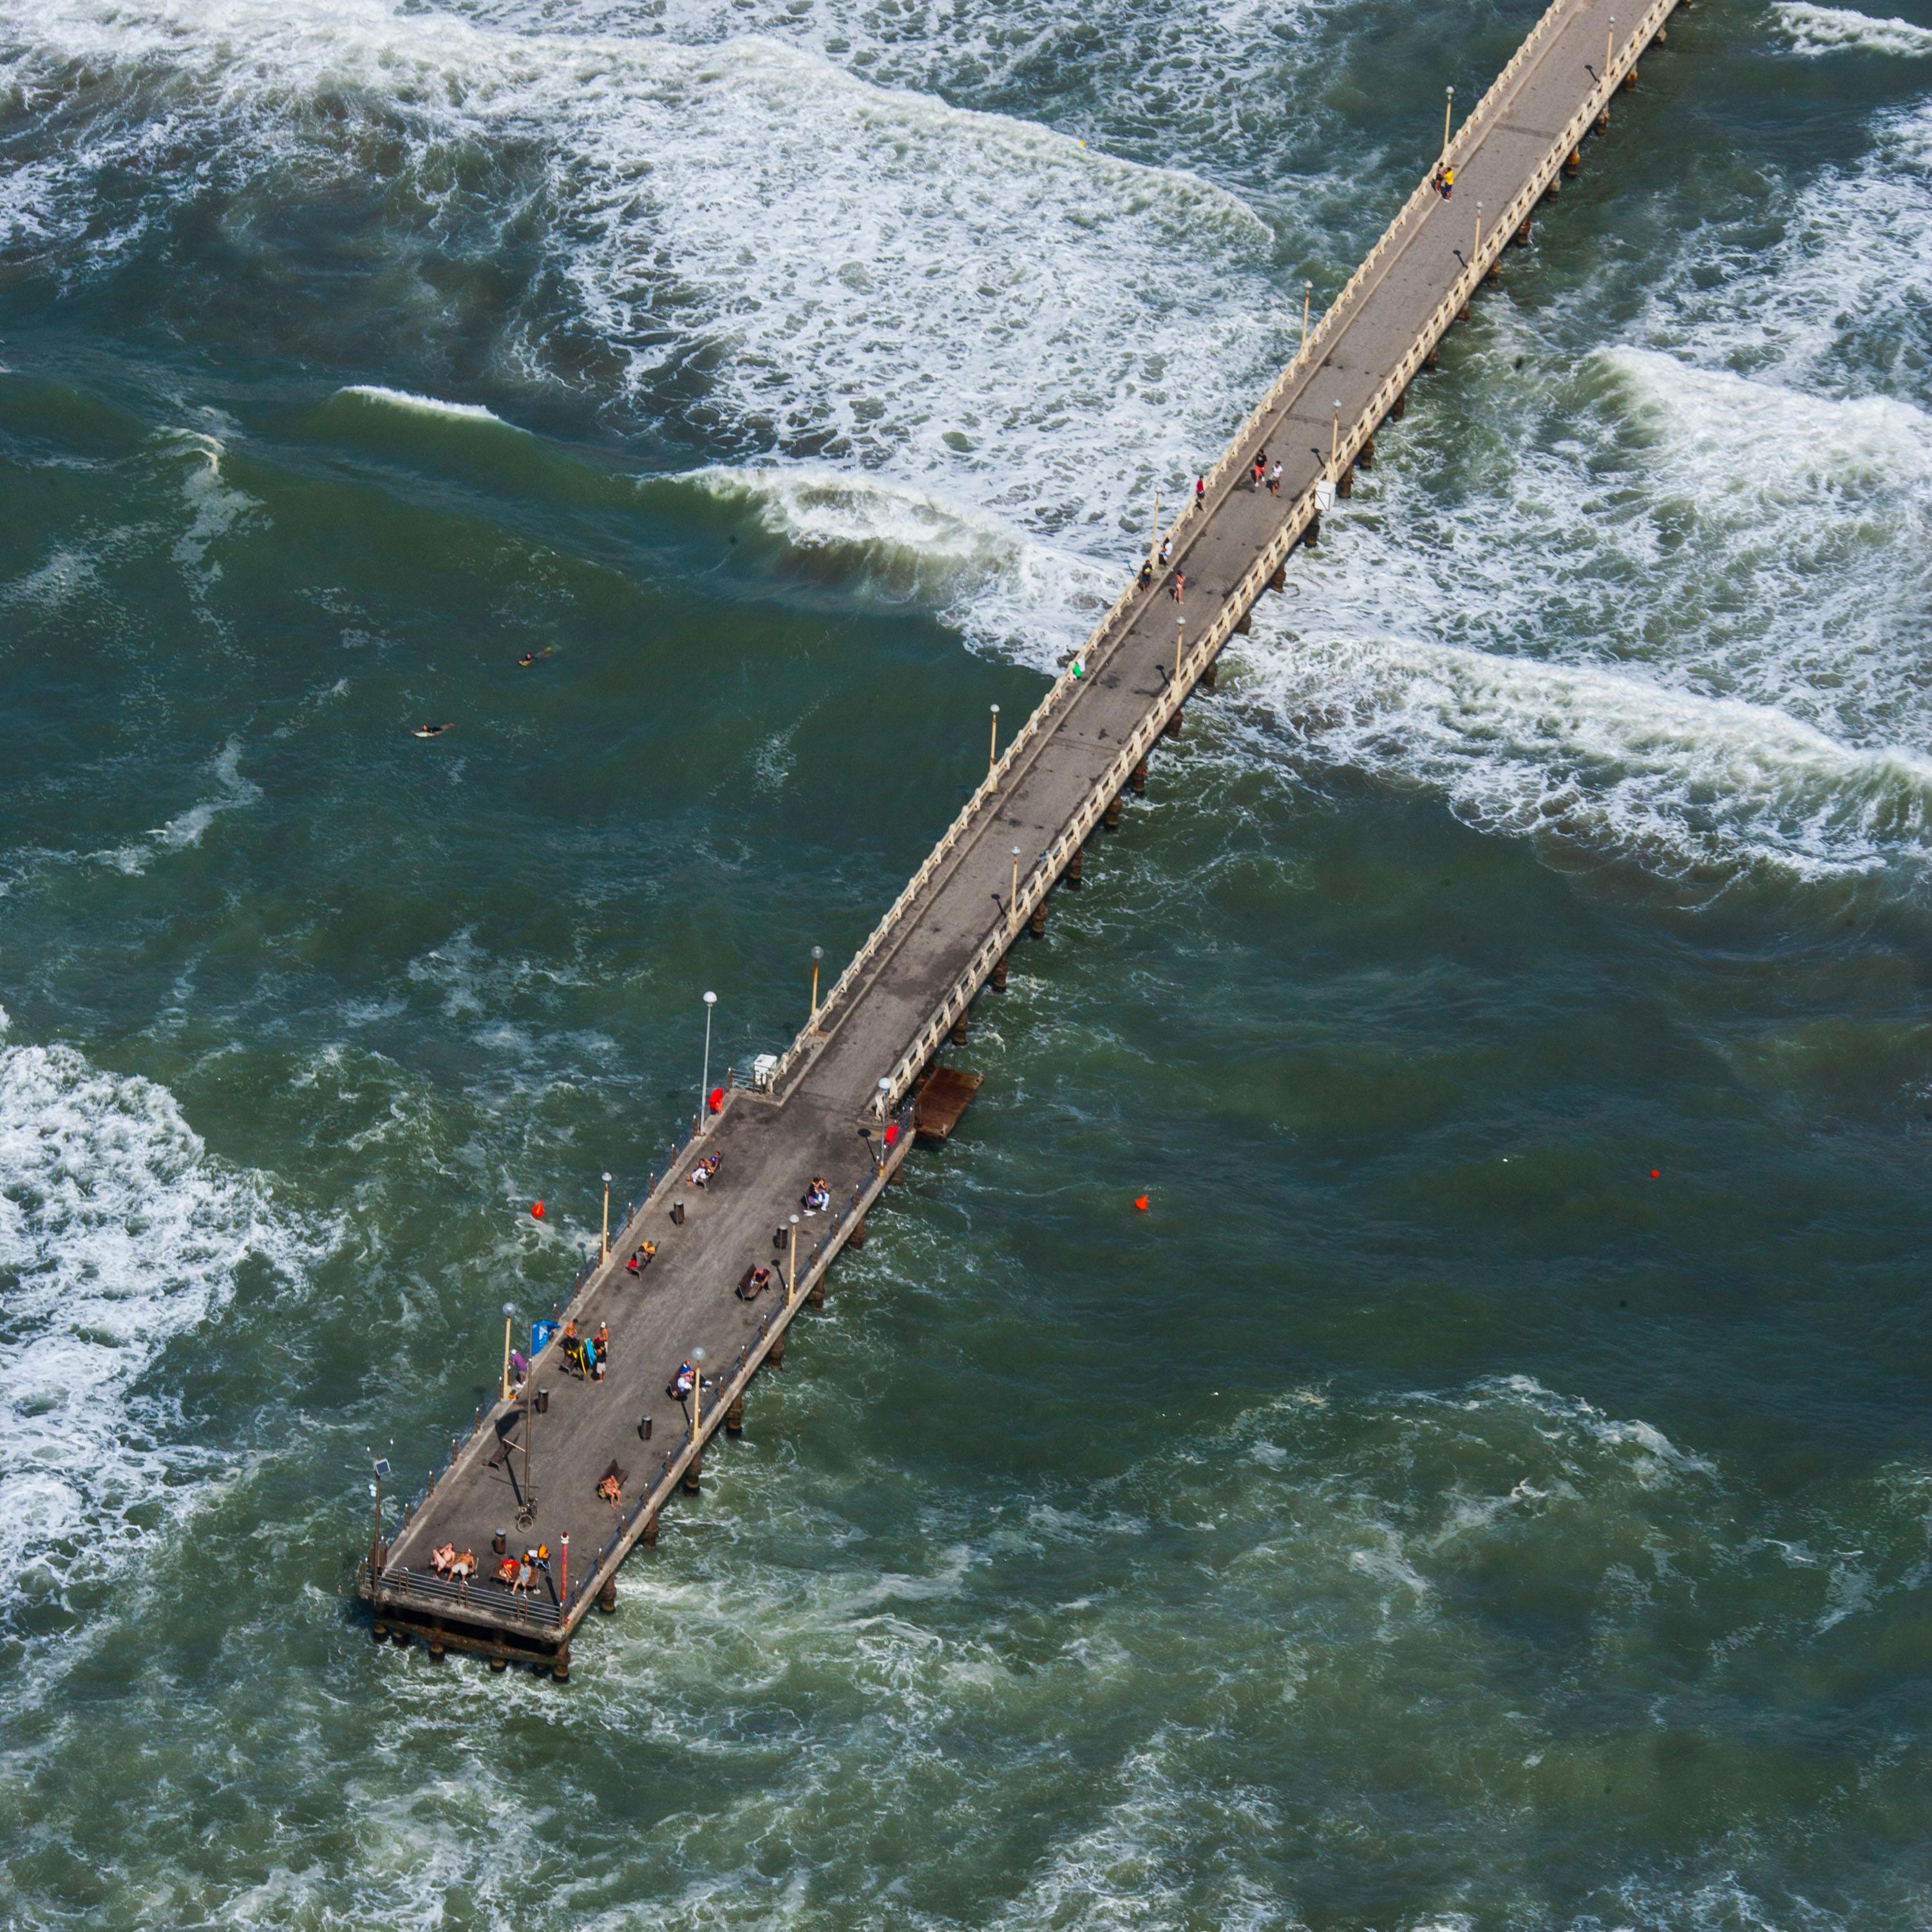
(431,730)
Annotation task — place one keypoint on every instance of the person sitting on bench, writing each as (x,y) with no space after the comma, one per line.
(756,1281)
(643,1259)
(701,1174)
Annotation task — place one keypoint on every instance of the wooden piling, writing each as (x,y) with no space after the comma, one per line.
(1399,407)
(1345,483)
(650,1538)
(1573,165)
(1312,536)
(959,1029)
(734,1415)
(1630,81)
(1520,239)
(606,1599)
(1037,926)
(1075,867)
(1138,780)
(1211,676)
(1365,456)
(998,981)
(693,1475)
(1110,819)
(1279,581)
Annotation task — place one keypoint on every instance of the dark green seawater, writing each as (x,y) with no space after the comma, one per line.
(1491,1487)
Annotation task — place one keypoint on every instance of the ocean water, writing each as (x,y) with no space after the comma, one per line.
(1491,1487)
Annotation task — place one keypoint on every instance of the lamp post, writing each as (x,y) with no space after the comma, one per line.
(704,1085)
(1153,543)
(1307,293)
(817,954)
(1610,49)
(791,1272)
(1013,904)
(1448,102)
(606,1217)
(993,743)
(1478,248)
(885,1101)
(1179,632)
(508,1312)
(1335,434)
(697,1395)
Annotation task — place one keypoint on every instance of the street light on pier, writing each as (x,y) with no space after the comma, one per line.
(509,1312)
(704,1085)
(1448,102)
(1307,295)
(817,954)
(791,1273)
(697,1394)
(606,1255)
(993,743)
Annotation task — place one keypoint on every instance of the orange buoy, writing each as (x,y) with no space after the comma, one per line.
(1141,1202)
(536,1213)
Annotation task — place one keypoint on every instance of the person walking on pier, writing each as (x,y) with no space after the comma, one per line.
(1274,481)
(600,1351)
(1200,491)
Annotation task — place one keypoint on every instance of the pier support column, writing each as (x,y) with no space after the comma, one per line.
(1554,188)
(607,1600)
(1399,407)
(1573,165)
(1037,926)
(1174,723)
(1603,122)
(1211,676)
(998,981)
(1110,819)
(776,1359)
(1434,356)
(498,1666)
(379,1632)
(856,1240)
(693,1475)
(959,1029)
(1312,536)
(1494,273)
(1365,456)
(1244,623)
(1278,581)
(559,1667)
(1138,780)
(734,1425)
(1463,313)
(814,1295)
(1520,239)
(650,1538)
(1630,81)
(1075,866)
(1345,483)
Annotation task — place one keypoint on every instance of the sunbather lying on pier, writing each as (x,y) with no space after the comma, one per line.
(463,1567)
(611,1490)
(442,1561)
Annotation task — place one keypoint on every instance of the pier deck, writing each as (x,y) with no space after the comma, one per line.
(885,1019)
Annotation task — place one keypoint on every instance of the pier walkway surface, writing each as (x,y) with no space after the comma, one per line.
(837,1106)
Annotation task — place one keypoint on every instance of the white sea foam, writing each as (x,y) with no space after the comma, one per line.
(187,828)
(1825,30)
(1006,586)
(428,406)
(119,1233)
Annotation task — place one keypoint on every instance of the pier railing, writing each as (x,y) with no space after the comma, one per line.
(1046,869)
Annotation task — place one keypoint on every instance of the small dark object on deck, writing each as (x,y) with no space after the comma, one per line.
(677,1213)
(941,1101)
(644,1430)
